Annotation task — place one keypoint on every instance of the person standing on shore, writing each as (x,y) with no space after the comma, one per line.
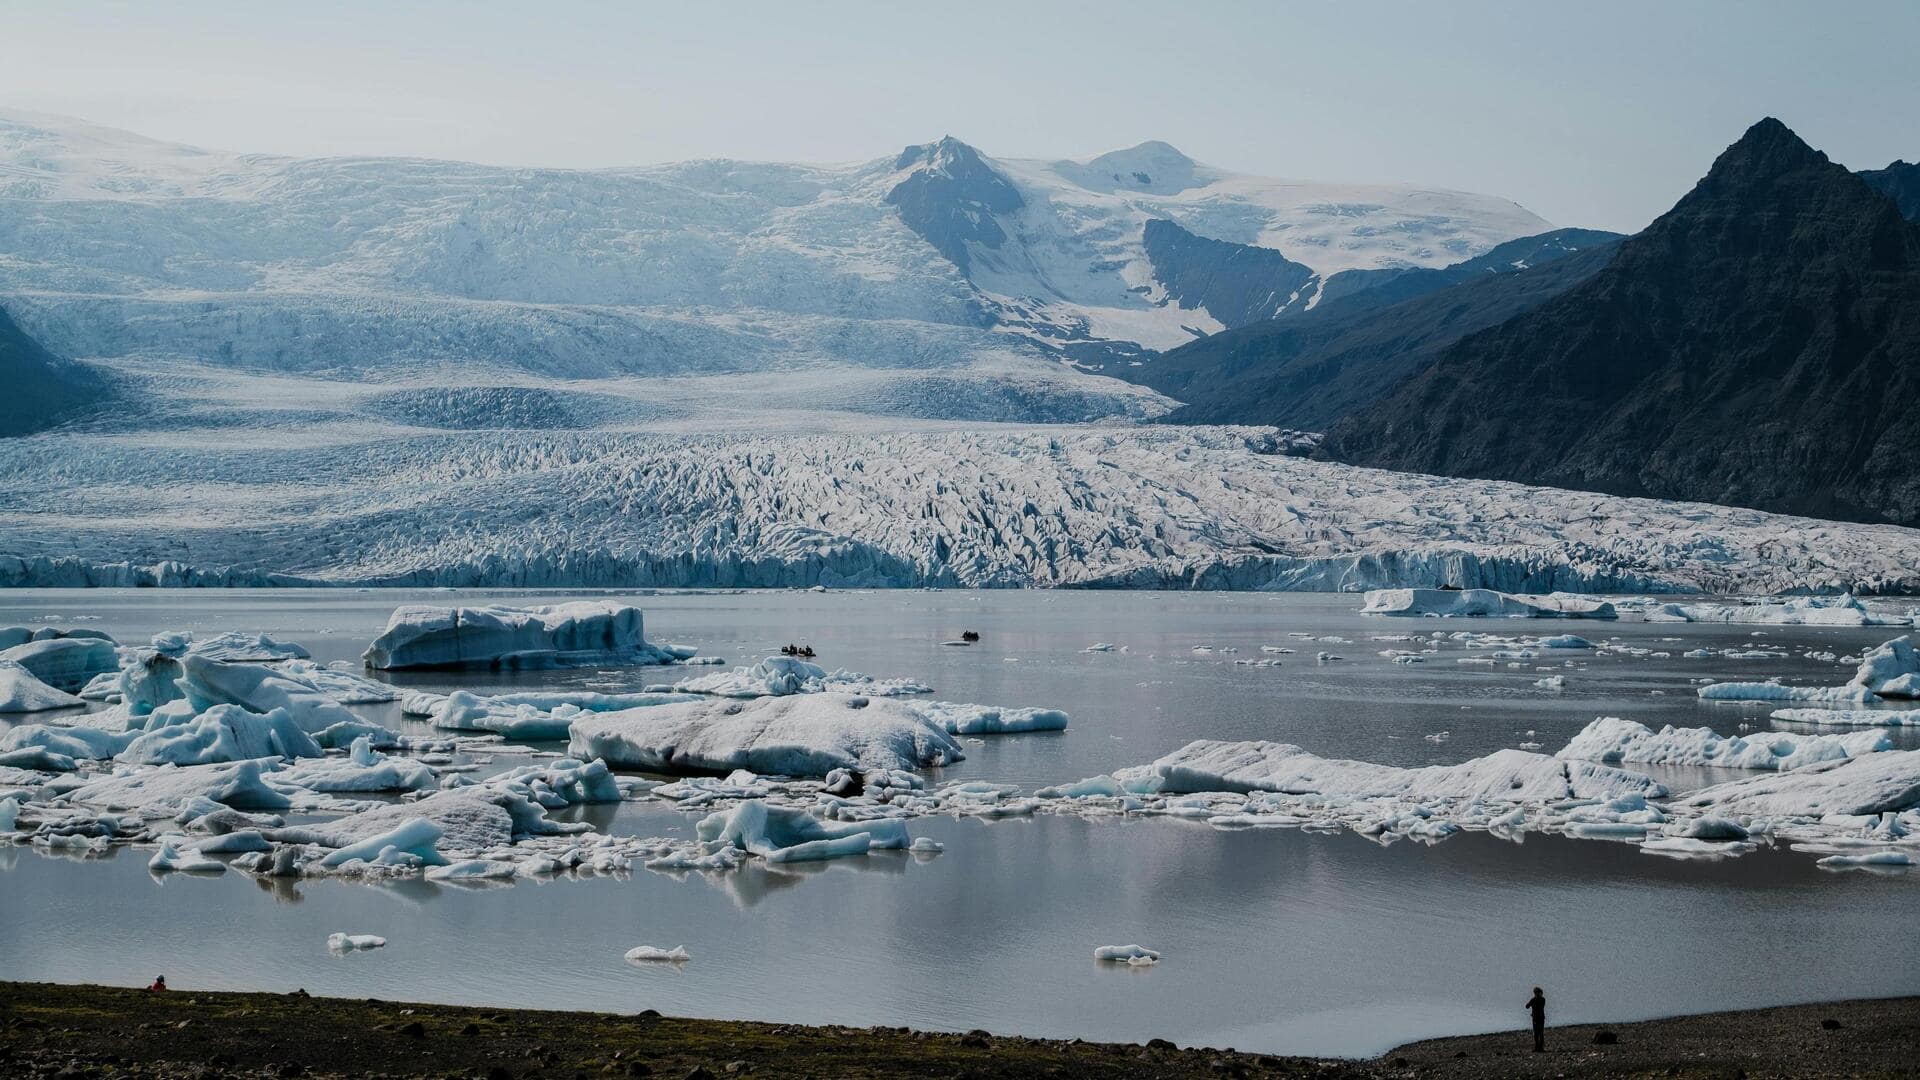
(1537,1005)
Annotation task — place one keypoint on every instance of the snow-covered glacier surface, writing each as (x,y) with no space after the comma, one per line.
(1000,507)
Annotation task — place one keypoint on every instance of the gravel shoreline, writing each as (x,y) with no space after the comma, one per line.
(93,1031)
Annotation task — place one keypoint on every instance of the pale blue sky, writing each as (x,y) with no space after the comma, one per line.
(1589,113)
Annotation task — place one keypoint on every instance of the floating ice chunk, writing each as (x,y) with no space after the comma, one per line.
(415,838)
(1552,682)
(342,942)
(583,632)
(926,845)
(1082,789)
(1565,641)
(1844,610)
(169,789)
(475,870)
(1851,717)
(1135,955)
(778,676)
(343,687)
(958,719)
(1883,859)
(790,834)
(21,691)
(65,663)
(1885,782)
(1459,603)
(37,759)
(1684,847)
(564,782)
(1513,776)
(177,853)
(533,715)
(650,954)
(262,690)
(149,680)
(83,743)
(1099,646)
(237,647)
(221,733)
(1890,670)
(364,770)
(800,735)
(1614,741)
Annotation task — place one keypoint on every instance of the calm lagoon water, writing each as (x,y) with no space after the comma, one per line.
(1274,940)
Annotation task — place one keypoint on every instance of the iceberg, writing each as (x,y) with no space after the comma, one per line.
(649,954)
(1843,610)
(800,735)
(1883,783)
(1851,717)
(65,663)
(344,942)
(778,676)
(781,834)
(583,632)
(1134,955)
(1614,741)
(344,687)
(363,770)
(22,692)
(82,743)
(169,789)
(177,854)
(262,690)
(410,841)
(236,647)
(1510,776)
(220,734)
(535,715)
(1480,603)
(149,680)
(958,719)
(1889,670)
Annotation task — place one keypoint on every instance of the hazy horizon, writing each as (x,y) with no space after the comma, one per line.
(1592,118)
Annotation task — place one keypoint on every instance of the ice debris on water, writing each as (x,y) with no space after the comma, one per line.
(651,954)
(344,942)
(1134,955)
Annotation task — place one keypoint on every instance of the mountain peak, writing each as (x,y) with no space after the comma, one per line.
(1769,149)
(1152,166)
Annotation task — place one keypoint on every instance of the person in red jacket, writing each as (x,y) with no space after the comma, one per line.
(159,983)
(1537,1005)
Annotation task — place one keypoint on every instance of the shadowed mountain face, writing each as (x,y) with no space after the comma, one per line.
(1900,181)
(951,198)
(40,389)
(1757,345)
(1308,369)
(1236,283)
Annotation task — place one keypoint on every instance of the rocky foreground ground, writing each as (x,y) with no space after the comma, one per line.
(92,1031)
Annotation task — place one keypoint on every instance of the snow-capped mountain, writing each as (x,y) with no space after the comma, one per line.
(113,245)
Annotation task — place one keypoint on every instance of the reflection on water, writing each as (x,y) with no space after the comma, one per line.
(1272,939)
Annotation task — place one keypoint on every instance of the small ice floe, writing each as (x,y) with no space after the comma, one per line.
(345,943)
(1614,741)
(1873,860)
(1850,717)
(1131,955)
(926,845)
(1551,682)
(1438,737)
(1327,658)
(177,854)
(1099,646)
(653,954)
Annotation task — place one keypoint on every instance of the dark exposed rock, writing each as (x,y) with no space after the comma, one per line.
(1757,345)
(1237,284)
(951,197)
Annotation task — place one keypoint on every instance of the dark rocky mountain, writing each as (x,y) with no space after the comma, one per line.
(1236,283)
(1757,345)
(38,389)
(1901,181)
(951,197)
(1308,369)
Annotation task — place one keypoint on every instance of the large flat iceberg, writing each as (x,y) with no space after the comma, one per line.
(1511,776)
(583,632)
(799,735)
(1883,783)
(1614,741)
(22,692)
(1844,610)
